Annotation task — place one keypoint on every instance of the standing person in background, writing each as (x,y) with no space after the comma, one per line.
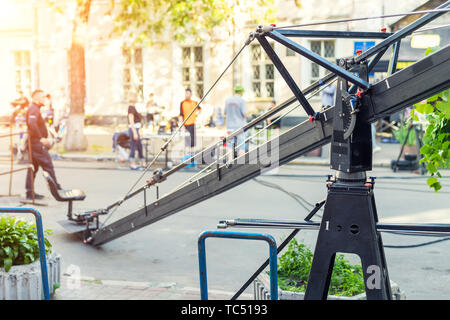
(20,104)
(40,143)
(235,117)
(151,110)
(186,107)
(328,95)
(274,125)
(134,124)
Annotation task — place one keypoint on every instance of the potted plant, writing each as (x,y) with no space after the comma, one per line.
(20,272)
(347,282)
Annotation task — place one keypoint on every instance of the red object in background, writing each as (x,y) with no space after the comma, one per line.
(383,29)
(359,93)
(358,52)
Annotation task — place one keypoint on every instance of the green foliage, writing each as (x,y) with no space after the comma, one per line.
(19,242)
(401,133)
(142,20)
(436,140)
(294,266)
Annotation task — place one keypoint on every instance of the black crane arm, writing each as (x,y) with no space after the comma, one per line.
(422,79)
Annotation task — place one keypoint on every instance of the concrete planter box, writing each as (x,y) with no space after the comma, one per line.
(261,290)
(24,282)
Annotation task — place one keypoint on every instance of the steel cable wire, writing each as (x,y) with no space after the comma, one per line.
(191,179)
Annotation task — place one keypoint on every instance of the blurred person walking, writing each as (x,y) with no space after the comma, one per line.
(39,144)
(274,125)
(134,124)
(151,109)
(328,95)
(19,104)
(47,111)
(186,107)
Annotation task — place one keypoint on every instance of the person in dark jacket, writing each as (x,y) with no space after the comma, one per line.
(39,142)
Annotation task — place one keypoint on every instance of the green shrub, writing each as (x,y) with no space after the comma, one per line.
(436,140)
(19,242)
(294,266)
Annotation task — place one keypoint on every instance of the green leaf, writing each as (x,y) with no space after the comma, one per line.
(424,108)
(425,149)
(428,108)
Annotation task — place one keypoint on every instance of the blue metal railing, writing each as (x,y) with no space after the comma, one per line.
(40,234)
(237,235)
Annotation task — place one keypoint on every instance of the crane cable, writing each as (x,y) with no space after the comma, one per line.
(164,147)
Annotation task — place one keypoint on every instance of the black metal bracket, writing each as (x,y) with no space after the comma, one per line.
(349,226)
(286,75)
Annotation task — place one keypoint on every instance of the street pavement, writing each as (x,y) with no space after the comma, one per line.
(160,261)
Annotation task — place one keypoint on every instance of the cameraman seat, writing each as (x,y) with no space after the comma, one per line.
(64,195)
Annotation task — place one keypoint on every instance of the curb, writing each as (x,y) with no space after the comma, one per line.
(93,289)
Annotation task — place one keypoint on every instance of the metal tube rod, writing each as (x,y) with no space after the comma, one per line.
(404,32)
(286,75)
(323,81)
(439,9)
(430,229)
(333,34)
(264,265)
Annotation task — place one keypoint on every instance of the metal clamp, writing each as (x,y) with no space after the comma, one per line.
(40,234)
(237,235)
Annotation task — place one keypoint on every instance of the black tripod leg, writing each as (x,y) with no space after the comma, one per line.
(349,226)
(419,142)
(320,274)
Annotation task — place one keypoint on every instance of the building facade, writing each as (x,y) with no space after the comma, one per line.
(35,38)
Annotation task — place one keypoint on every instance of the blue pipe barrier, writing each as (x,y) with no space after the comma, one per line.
(237,235)
(40,234)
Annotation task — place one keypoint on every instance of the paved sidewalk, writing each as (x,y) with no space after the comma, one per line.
(92,289)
